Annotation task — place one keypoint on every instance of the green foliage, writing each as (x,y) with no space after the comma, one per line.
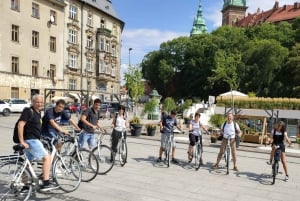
(217,120)
(169,104)
(150,106)
(135,120)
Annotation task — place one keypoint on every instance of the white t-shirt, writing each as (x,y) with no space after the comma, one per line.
(196,127)
(120,123)
(229,131)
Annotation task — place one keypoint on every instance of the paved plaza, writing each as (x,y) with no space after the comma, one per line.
(142,179)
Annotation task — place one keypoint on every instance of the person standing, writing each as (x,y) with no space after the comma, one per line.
(90,119)
(279,135)
(119,124)
(194,134)
(29,133)
(229,131)
(167,124)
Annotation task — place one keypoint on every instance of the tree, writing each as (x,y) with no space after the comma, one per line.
(169,104)
(134,83)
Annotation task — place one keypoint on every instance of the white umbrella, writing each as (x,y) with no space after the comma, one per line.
(233,93)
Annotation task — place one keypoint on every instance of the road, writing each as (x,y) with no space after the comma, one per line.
(142,179)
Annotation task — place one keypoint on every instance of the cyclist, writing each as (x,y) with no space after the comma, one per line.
(195,133)
(29,133)
(52,119)
(279,135)
(229,131)
(119,123)
(90,119)
(167,124)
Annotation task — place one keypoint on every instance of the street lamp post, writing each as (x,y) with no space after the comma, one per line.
(129,56)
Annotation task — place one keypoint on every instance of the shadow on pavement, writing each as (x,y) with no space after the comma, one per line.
(263,178)
(58,195)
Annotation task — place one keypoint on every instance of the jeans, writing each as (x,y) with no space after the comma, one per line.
(89,138)
(36,150)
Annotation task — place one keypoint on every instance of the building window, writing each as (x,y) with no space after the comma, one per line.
(52,17)
(113,50)
(113,71)
(72,36)
(52,44)
(15,33)
(107,46)
(90,20)
(89,85)
(72,84)
(15,5)
(35,39)
(89,65)
(114,30)
(72,61)
(101,44)
(89,43)
(35,10)
(52,71)
(73,12)
(14,92)
(35,68)
(15,64)
(102,23)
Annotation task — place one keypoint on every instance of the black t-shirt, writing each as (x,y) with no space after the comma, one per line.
(92,116)
(32,128)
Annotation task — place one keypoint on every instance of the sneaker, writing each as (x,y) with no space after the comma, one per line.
(158,160)
(286,178)
(174,161)
(48,187)
(269,162)
(235,169)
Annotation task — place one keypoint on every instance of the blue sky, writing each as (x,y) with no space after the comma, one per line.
(148,23)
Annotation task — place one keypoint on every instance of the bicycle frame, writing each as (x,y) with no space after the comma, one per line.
(227,155)
(198,153)
(275,164)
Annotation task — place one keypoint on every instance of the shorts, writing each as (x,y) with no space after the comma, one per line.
(36,150)
(50,134)
(164,138)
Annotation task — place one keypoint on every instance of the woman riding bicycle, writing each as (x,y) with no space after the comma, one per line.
(279,134)
(195,133)
(119,125)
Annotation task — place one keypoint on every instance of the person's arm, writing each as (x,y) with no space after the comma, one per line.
(86,122)
(287,139)
(204,128)
(57,127)
(21,126)
(74,124)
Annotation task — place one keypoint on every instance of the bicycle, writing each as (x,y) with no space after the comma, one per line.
(198,150)
(88,161)
(122,148)
(18,179)
(103,153)
(227,155)
(275,164)
(168,145)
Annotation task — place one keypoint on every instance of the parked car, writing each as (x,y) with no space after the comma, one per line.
(17,105)
(108,109)
(5,108)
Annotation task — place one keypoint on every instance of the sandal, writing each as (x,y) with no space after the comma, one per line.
(215,166)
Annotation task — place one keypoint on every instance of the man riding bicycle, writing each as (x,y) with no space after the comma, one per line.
(229,131)
(167,124)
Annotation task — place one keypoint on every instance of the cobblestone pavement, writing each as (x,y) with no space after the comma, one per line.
(142,179)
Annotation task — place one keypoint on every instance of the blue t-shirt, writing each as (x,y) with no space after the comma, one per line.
(168,123)
(56,116)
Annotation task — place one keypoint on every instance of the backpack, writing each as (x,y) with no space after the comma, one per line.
(15,135)
(80,123)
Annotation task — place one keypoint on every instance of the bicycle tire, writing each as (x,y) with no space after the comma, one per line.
(227,160)
(168,150)
(105,157)
(197,156)
(275,167)
(66,172)
(123,152)
(88,163)
(14,190)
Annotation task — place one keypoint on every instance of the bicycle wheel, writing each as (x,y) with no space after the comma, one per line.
(12,187)
(67,148)
(275,167)
(123,152)
(88,163)
(167,152)
(67,173)
(227,158)
(197,156)
(105,157)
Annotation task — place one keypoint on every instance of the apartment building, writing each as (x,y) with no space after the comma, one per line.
(64,45)
(31,46)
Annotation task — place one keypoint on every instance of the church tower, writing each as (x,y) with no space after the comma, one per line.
(199,26)
(233,10)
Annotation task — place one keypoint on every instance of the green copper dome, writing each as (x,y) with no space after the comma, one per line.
(199,26)
(234,3)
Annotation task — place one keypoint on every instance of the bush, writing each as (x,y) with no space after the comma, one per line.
(217,120)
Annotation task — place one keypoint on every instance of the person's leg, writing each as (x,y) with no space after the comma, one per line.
(283,161)
(221,152)
(271,154)
(114,141)
(233,153)
(162,145)
(81,140)
(173,150)
(91,140)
